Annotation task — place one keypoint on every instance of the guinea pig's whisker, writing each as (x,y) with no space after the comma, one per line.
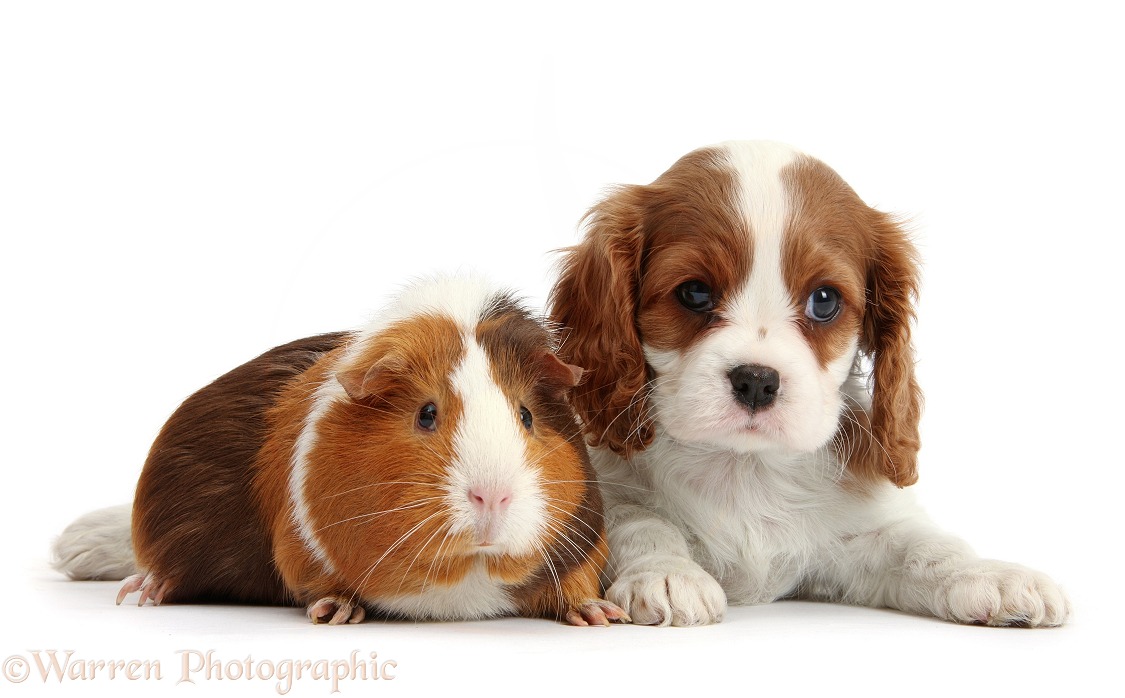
(567,513)
(599,482)
(608,556)
(576,441)
(372,408)
(558,523)
(437,558)
(394,546)
(568,546)
(554,575)
(592,548)
(379,484)
(433,451)
(597,512)
(421,549)
(551,451)
(376,409)
(375,514)
(603,483)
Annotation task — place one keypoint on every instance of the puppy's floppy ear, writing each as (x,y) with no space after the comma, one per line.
(595,302)
(896,402)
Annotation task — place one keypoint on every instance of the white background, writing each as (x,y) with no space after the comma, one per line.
(182,187)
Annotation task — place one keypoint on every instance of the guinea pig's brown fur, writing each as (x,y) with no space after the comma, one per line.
(427,467)
(195,515)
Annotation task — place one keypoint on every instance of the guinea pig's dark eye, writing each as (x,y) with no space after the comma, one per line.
(823,304)
(525,418)
(427,417)
(695,296)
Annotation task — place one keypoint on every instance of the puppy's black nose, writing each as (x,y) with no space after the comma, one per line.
(755,386)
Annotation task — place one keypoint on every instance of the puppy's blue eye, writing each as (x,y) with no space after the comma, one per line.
(695,296)
(427,417)
(823,304)
(525,418)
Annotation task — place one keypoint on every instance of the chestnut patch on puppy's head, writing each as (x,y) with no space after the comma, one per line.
(835,239)
(693,231)
(826,246)
(619,285)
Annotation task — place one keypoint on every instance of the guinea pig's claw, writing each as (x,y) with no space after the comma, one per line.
(336,610)
(597,612)
(132,583)
(150,585)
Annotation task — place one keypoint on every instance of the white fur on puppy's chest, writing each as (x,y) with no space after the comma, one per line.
(760,524)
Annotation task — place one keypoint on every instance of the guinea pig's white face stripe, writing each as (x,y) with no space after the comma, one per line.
(326,395)
(491,458)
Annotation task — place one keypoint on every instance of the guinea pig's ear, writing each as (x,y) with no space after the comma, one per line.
(559,374)
(891,428)
(363,380)
(595,303)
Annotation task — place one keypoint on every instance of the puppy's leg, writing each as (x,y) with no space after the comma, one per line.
(910,566)
(652,575)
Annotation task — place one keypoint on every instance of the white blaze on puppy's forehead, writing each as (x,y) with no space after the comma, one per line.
(764,300)
(763,197)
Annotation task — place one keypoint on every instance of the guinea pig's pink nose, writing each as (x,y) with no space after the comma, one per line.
(488,499)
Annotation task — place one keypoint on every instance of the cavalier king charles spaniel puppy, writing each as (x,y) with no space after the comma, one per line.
(751,404)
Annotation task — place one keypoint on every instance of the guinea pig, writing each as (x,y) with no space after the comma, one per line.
(426,467)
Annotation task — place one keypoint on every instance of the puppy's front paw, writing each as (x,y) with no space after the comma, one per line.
(988,592)
(668,590)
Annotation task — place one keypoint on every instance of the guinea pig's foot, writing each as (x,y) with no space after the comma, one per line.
(335,610)
(150,585)
(596,612)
